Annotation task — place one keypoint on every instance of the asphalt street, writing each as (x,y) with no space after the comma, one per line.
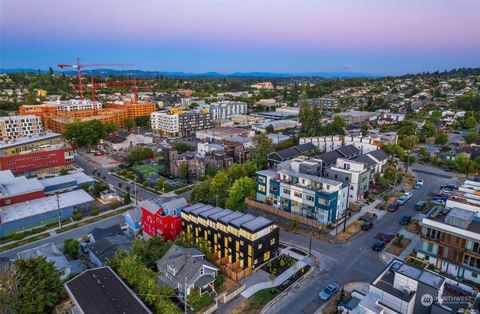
(75,234)
(354,260)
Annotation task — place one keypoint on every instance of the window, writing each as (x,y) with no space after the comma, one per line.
(261,179)
(322,201)
(309,197)
(286,191)
(476,247)
(274,188)
(272,241)
(261,188)
(260,246)
(433,234)
(297,194)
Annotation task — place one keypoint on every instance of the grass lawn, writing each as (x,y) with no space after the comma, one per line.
(351,230)
(148,170)
(25,241)
(397,248)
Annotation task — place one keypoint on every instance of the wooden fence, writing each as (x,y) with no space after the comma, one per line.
(281,213)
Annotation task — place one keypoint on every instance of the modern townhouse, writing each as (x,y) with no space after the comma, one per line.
(401,288)
(318,198)
(237,239)
(450,238)
(354,173)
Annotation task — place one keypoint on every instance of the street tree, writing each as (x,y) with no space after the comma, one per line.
(71,247)
(241,188)
(262,146)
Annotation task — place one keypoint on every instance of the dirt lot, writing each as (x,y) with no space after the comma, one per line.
(229,286)
(409,181)
(414,227)
(351,231)
(396,249)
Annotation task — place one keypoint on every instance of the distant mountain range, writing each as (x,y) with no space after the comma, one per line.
(148,74)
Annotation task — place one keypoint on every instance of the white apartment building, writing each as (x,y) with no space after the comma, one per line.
(13,127)
(355,174)
(225,109)
(74,105)
(164,122)
(329,143)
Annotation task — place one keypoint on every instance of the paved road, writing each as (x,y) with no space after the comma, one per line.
(351,261)
(75,234)
(143,194)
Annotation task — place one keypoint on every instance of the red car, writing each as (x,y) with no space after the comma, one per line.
(393,207)
(386,237)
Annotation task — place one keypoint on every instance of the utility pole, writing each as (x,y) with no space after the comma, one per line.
(59,212)
(135,190)
(345,220)
(185,296)
(310,246)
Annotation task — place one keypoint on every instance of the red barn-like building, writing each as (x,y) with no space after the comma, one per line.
(161,217)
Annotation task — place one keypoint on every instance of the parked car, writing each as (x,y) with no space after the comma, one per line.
(418,184)
(378,246)
(404,198)
(396,266)
(393,207)
(421,205)
(405,220)
(367,225)
(386,237)
(448,169)
(329,291)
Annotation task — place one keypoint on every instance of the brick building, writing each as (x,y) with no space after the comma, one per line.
(46,152)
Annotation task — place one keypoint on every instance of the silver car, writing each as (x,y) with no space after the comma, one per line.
(329,291)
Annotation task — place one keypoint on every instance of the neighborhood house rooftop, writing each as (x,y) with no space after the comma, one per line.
(28,139)
(11,185)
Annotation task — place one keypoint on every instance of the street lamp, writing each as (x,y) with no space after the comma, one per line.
(59,213)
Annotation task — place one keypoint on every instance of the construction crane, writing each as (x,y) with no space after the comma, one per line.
(79,68)
(115,84)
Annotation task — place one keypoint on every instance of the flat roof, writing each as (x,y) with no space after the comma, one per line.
(11,186)
(78,177)
(220,214)
(43,205)
(201,209)
(257,224)
(28,139)
(238,222)
(188,209)
(206,214)
(225,219)
(100,290)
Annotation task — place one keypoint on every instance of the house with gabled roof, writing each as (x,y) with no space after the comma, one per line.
(184,269)
(161,217)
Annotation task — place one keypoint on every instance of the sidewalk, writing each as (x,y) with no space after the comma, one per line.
(52,233)
(268,283)
(370,208)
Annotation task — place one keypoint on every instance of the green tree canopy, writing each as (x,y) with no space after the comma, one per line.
(441,138)
(219,187)
(139,153)
(470,123)
(240,189)
(143,121)
(71,247)
(85,133)
(262,146)
(40,288)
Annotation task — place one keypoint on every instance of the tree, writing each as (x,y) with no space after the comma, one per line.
(471,137)
(98,187)
(9,297)
(408,142)
(71,247)
(335,127)
(183,170)
(240,189)
(63,172)
(181,147)
(129,123)
(428,130)
(201,192)
(160,184)
(441,138)
(470,123)
(139,153)
(262,146)
(211,170)
(143,121)
(464,164)
(85,133)
(40,288)
(126,199)
(219,187)
(150,250)
(269,129)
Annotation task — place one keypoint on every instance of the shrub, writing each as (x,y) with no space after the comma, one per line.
(94,212)
(77,216)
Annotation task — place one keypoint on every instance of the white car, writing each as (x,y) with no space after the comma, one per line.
(408,195)
(418,184)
